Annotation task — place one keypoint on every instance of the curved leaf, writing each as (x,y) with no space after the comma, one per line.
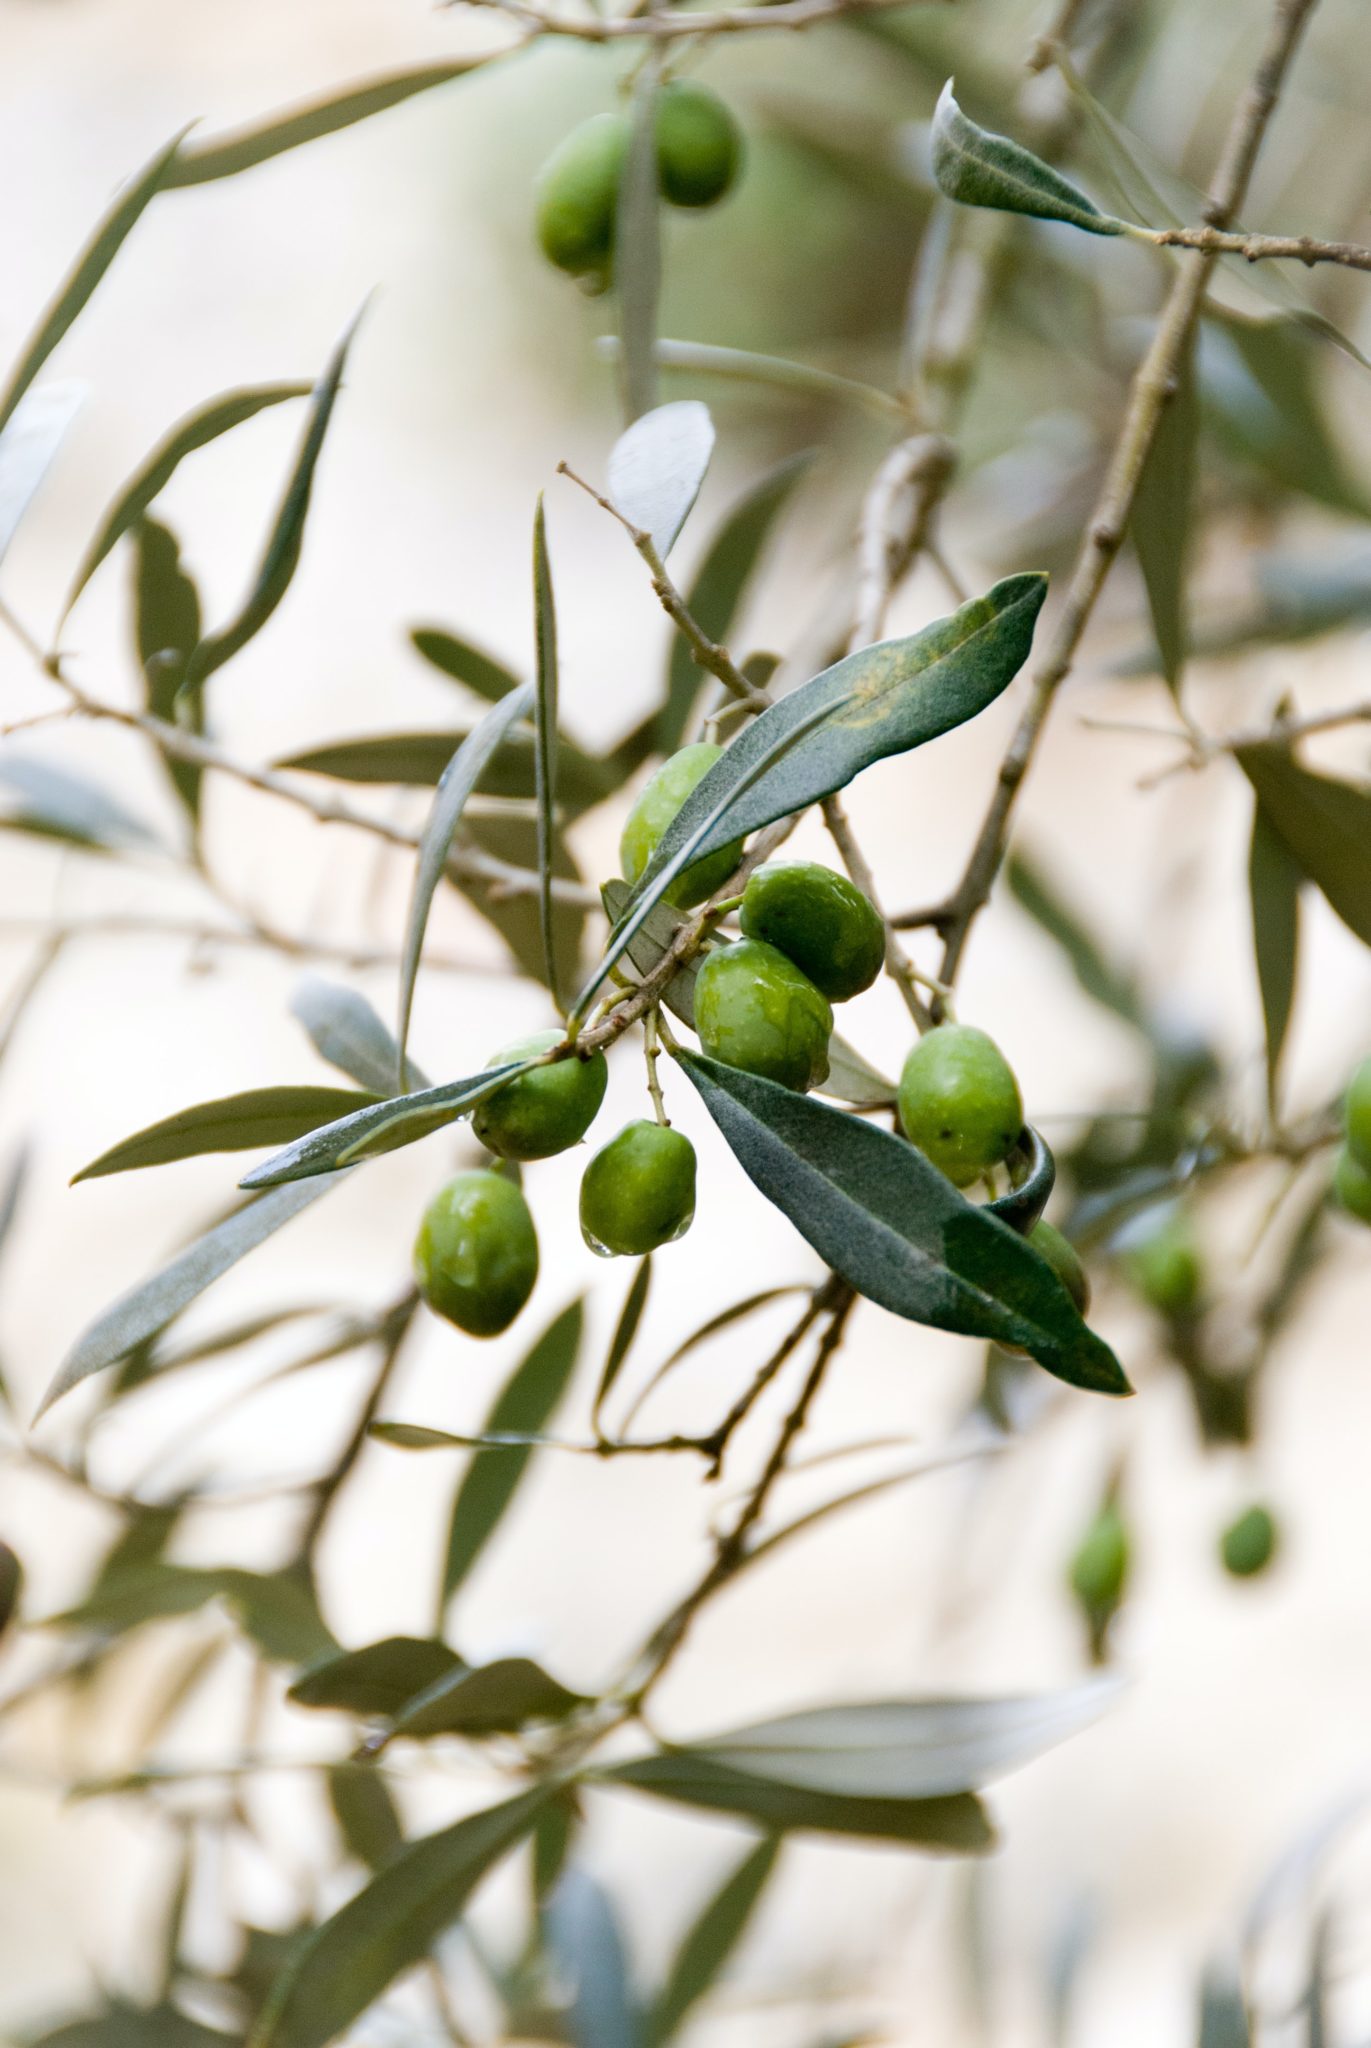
(656,468)
(463,662)
(235,1123)
(711,1940)
(545,738)
(384,1127)
(977,168)
(167,623)
(346,1031)
(1324,824)
(1025,1202)
(28,444)
(378,1679)
(492,1699)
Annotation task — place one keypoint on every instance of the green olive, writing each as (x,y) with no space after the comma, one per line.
(638,1191)
(545,1110)
(1099,1569)
(1248,1545)
(1065,1261)
(699,147)
(1357,1116)
(1352,1185)
(819,920)
(1164,1265)
(11,1585)
(959,1102)
(755,1010)
(476,1255)
(578,198)
(657,805)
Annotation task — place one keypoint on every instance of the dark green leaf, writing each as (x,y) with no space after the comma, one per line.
(877,1212)
(378,1679)
(276,1609)
(545,738)
(346,1031)
(710,1942)
(494,1699)
(625,1330)
(467,664)
(236,1123)
(197,429)
(957,1825)
(657,466)
(459,779)
(134,2026)
(1324,825)
(390,1925)
(28,444)
(1034,893)
(527,1402)
(1034,1173)
(1274,879)
(94,260)
(419,758)
(11,1585)
(149,1307)
(1261,398)
(1223,2013)
(167,626)
(384,1127)
(282,553)
(637,247)
(977,168)
(365,1813)
(1161,518)
(582,1932)
(58,804)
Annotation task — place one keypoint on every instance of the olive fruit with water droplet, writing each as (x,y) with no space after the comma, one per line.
(638,1191)
(545,1110)
(578,199)
(699,146)
(819,920)
(1248,1545)
(755,1010)
(1356,1113)
(1065,1261)
(476,1255)
(959,1102)
(1164,1265)
(658,803)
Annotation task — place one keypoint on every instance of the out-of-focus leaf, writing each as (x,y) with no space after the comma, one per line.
(1259,392)
(11,1585)
(1223,2014)
(877,1212)
(582,1932)
(492,1699)
(657,466)
(28,444)
(197,429)
(516,918)
(1037,895)
(390,1925)
(1161,518)
(58,804)
(277,1610)
(134,2026)
(718,588)
(710,1941)
(1274,880)
(527,1402)
(346,1031)
(625,1330)
(955,1825)
(977,168)
(418,759)
(459,779)
(384,1127)
(1324,825)
(167,626)
(236,1123)
(466,664)
(150,1306)
(745,366)
(243,148)
(365,1813)
(638,248)
(545,739)
(378,1679)
(76,288)
(852,1078)
(281,556)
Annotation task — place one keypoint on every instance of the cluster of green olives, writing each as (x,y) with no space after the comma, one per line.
(699,150)
(1352,1173)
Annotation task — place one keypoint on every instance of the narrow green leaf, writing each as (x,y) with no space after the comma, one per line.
(581,1929)
(132,2026)
(884,700)
(167,624)
(464,663)
(377,1680)
(59,804)
(1261,395)
(545,737)
(1223,2021)
(384,1127)
(710,1941)
(625,1330)
(277,1610)
(460,778)
(345,1030)
(74,292)
(493,1699)
(235,1123)
(1324,824)
(637,247)
(745,366)
(977,168)
(1274,880)
(419,759)
(243,148)
(526,1403)
(150,1306)
(513,837)
(1037,895)
(28,444)
(365,1813)
(281,556)
(1161,519)
(656,468)
(877,1212)
(390,1925)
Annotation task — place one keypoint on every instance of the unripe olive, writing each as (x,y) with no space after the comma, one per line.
(476,1255)
(1248,1545)
(545,1110)
(1164,1266)
(1352,1185)
(819,920)
(1065,1261)
(578,197)
(1357,1116)
(658,803)
(699,146)
(11,1585)
(638,1191)
(1099,1569)
(959,1102)
(755,1010)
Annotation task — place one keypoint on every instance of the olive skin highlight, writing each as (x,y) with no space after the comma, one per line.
(658,802)
(959,1102)
(638,1192)
(545,1110)
(755,1010)
(819,920)
(476,1255)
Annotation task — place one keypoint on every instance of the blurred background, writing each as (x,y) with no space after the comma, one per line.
(1130,1857)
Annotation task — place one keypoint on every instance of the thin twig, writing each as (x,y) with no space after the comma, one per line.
(1306,249)
(789,14)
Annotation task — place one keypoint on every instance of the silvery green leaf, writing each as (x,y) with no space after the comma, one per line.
(1274,879)
(977,168)
(657,466)
(582,1931)
(53,799)
(385,1127)
(28,442)
(637,245)
(346,1031)
(234,1123)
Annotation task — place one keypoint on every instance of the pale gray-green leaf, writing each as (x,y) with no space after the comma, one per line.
(28,443)
(346,1031)
(384,1127)
(977,168)
(233,1123)
(657,466)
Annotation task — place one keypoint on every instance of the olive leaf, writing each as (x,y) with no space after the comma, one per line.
(29,442)
(167,622)
(377,1680)
(57,803)
(365,1813)
(657,466)
(463,662)
(581,1929)
(625,1330)
(1027,1199)
(459,779)
(545,738)
(1274,879)
(883,700)
(418,759)
(638,246)
(1036,894)
(882,1216)
(383,1127)
(977,168)
(345,1030)
(235,1123)
(1324,824)
(491,1699)
(1160,521)
(1261,397)
(710,1941)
